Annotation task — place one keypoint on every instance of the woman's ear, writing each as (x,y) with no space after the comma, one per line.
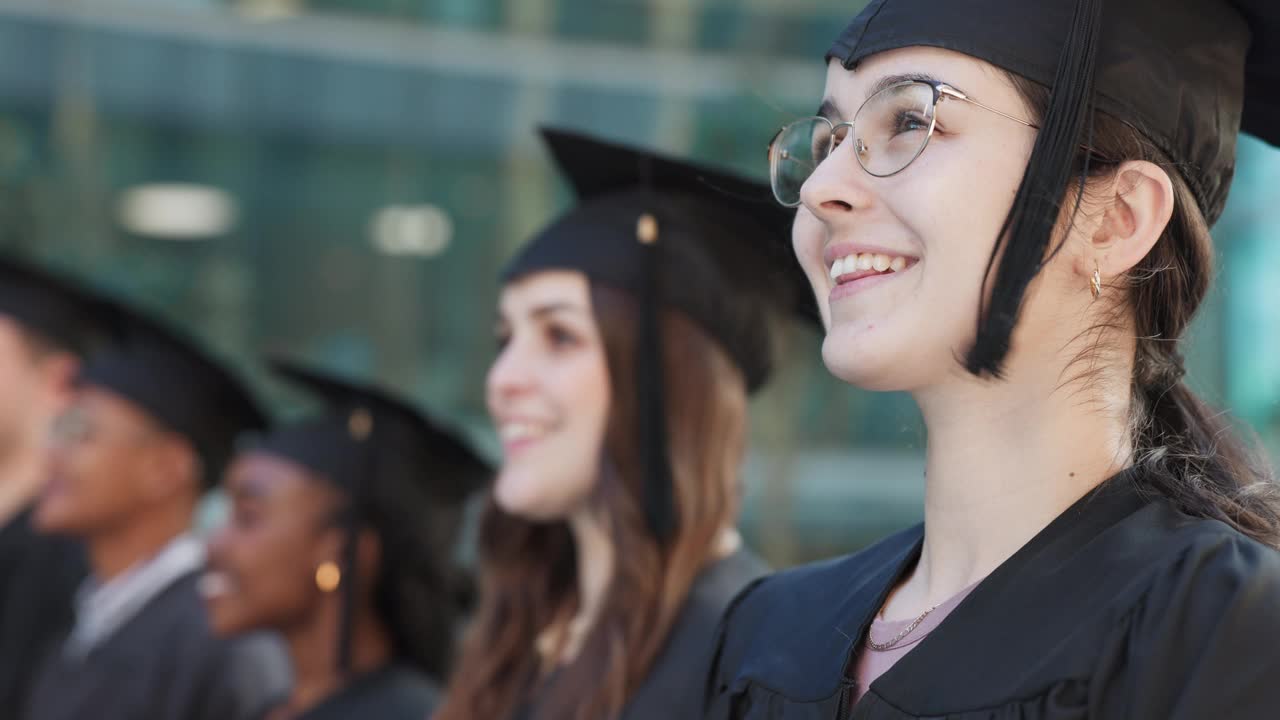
(330,547)
(170,466)
(58,373)
(1136,207)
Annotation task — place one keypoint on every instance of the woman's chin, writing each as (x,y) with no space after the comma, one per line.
(520,494)
(855,363)
(223,621)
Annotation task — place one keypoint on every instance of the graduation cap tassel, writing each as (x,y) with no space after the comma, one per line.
(360,426)
(651,390)
(1024,238)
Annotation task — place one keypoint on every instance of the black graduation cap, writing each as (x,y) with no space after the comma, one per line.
(1188,74)
(178,383)
(369,443)
(55,307)
(708,243)
(360,419)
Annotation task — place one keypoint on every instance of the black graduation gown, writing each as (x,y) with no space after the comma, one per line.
(1123,608)
(39,575)
(163,664)
(673,689)
(395,692)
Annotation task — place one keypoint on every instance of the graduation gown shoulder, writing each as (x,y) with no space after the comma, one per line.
(164,663)
(395,692)
(673,688)
(39,575)
(1121,608)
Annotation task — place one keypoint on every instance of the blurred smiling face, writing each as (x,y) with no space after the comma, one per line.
(548,395)
(35,387)
(105,458)
(262,563)
(897,262)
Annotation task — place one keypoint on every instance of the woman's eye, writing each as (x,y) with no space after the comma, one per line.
(560,337)
(502,339)
(911,122)
(246,514)
(245,517)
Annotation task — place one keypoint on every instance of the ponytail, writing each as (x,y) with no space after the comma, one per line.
(1192,455)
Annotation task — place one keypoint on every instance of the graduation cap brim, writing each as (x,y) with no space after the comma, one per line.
(596,168)
(54,306)
(353,414)
(178,383)
(1261,116)
(724,244)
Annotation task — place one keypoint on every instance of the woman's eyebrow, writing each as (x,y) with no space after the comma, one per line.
(555,308)
(828,110)
(543,311)
(831,111)
(891,80)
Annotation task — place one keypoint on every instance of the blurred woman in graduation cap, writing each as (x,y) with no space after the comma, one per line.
(340,537)
(1004,209)
(631,332)
(152,420)
(47,324)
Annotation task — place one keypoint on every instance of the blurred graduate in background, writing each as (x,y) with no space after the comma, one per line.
(340,537)
(46,324)
(151,424)
(631,332)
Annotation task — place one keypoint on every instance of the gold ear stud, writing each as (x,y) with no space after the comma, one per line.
(360,424)
(647,229)
(328,577)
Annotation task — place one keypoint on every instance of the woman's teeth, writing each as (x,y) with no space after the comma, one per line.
(517,431)
(867,261)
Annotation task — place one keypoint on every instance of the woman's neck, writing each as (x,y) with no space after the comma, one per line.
(594,549)
(313,650)
(136,539)
(1004,459)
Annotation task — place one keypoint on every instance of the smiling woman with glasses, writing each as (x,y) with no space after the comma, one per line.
(1096,542)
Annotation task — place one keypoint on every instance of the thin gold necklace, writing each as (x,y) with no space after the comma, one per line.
(882,647)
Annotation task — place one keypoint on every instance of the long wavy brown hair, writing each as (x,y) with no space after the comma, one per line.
(528,570)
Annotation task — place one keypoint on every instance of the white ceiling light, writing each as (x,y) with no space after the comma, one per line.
(268,10)
(177,211)
(416,230)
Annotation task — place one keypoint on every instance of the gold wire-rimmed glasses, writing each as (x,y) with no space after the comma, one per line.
(890,130)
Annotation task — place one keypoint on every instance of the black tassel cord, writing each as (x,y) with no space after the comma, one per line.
(362,429)
(651,389)
(1025,236)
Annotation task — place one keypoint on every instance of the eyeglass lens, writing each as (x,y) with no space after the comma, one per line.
(888,132)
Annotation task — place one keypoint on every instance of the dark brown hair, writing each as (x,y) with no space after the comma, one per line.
(528,570)
(417,591)
(1190,452)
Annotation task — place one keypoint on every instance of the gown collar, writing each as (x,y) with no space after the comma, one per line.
(1007,619)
